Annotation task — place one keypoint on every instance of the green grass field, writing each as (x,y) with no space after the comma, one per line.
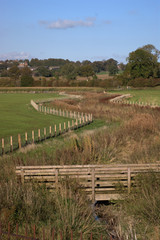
(18,116)
(144,95)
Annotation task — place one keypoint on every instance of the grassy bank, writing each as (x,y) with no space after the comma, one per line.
(142,95)
(18,116)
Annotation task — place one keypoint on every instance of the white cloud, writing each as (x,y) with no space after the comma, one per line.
(15,55)
(65,24)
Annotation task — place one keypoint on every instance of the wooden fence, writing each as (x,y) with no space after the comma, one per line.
(79,120)
(8,145)
(44,235)
(63,113)
(120,100)
(101,182)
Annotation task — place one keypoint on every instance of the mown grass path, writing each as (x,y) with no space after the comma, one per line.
(18,116)
(142,95)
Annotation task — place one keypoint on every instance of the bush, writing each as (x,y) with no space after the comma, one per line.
(27,81)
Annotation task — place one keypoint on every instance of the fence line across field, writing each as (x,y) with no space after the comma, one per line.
(17,142)
(100,182)
(59,112)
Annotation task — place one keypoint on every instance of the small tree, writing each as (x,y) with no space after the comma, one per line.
(26,77)
(14,74)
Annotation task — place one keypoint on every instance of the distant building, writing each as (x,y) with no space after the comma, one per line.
(54,67)
(23,64)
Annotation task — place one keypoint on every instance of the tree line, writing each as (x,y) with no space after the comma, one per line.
(142,69)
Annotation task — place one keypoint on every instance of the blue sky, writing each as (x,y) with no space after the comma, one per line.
(77,29)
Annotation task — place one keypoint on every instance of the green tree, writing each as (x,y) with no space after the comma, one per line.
(26,77)
(142,63)
(44,71)
(69,70)
(14,74)
(111,66)
(86,71)
(151,49)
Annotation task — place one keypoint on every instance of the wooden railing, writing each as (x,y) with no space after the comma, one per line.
(62,112)
(101,182)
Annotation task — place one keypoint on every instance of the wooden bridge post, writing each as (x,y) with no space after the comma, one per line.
(129,179)
(56,177)
(22,176)
(93,184)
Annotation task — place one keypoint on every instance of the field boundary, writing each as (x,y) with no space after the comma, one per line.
(78,120)
(100,182)
(62,113)
(120,100)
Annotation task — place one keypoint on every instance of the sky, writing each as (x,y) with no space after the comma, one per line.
(77,30)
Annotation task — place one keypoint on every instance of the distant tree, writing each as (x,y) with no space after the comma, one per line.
(86,62)
(26,77)
(98,66)
(27,81)
(14,74)
(142,63)
(111,66)
(122,66)
(112,69)
(69,71)
(151,49)
(44,71)
(86,71)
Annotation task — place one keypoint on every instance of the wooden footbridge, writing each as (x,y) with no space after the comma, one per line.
(99,181)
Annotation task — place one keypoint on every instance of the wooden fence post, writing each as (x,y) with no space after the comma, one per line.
(64,127)
(39,134)
(73,124)
(80,122)
(2,146)
(26,137)
(76,123)
(11,144)
(83,120)
(129,179)
(19,141)
(68,125)
(55,129)
(44,133)
(32,136)
(50,131)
